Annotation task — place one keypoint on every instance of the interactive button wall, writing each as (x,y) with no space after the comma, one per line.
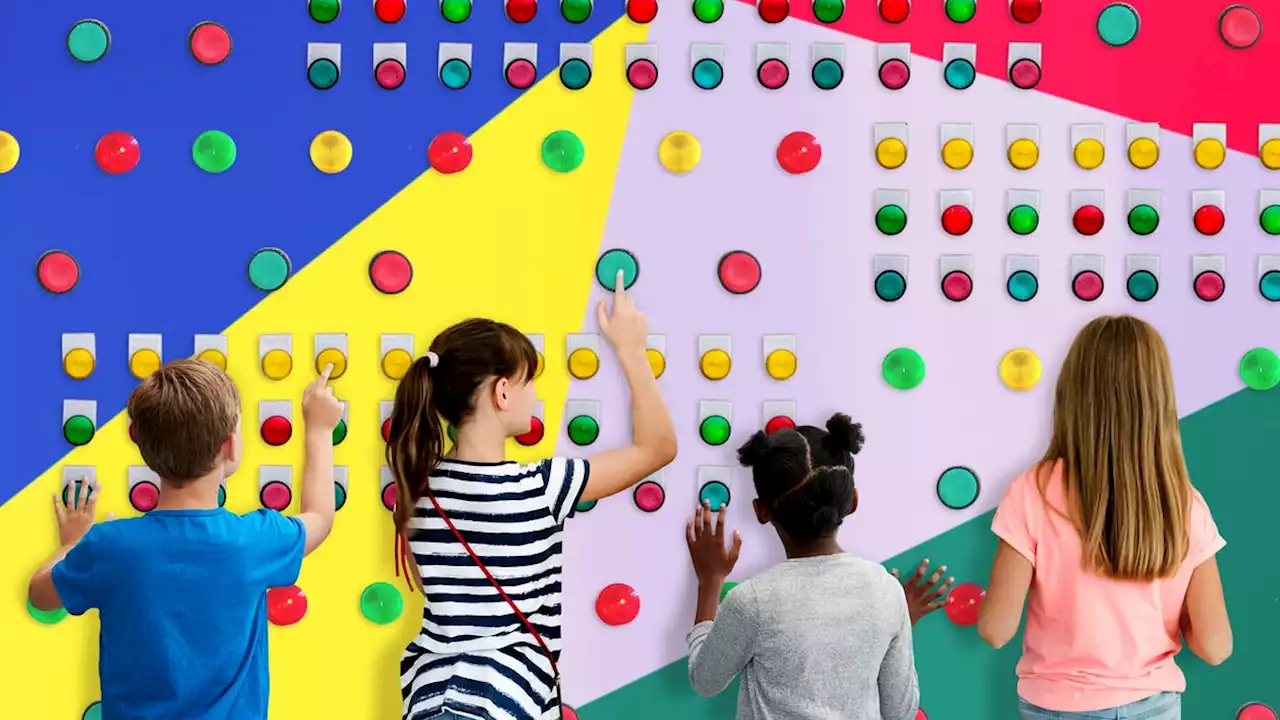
(539,343)
(53,617)
(715,356)
(453,65)
(1142,285)
(455,11)
(584,355)
(521,11)
(891,219)
(1143,219)
(642,11)
(958,488)
(679,152)
(708,11)
(79,352)
(88,41)
(269,269)
(780,422)
(894,11)
(583,430)
(778,414)
(649,495)
(585,506)
(1022,285)
(957,211)
(1020,370)
(144,354)
(78,480)
(903,369)
(890,284)
(1024,146)
(1239,27)
(739,272)
(1087,146)
(707,65)
(340,430)
(390,272)
(385,409)
(1086,280)
(222,495)
(1256,711)
(771,65)
(1144,145)
(1260,369)
(1210,149)
(381,603)
(957,280)
(1086,216)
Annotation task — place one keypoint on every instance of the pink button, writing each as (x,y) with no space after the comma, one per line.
(773,74)
(521,74)
(1240,27)
(276,496)
(390,74)
(920,714)
(894,74)
(389,497)
(642,74)
(144,497)
(1256,711)
(649,496)
(1087,286)
(1025,74)
(1210,286)
(957,286)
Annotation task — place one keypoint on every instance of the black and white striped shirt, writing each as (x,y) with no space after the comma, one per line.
(473,656)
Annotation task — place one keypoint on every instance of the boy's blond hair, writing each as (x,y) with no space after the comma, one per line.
(182,414)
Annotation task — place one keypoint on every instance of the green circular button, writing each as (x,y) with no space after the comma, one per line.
(1023,219)
(324,11)
(562,151)
(715,430)
(222,496)
(456,11)
(46,617)
(828,11)
(339,496)
(890,286)
(1260,369)
(1142,285)
(575,74)
(1269,285)
(78,430)
(585,506)
(958,488)
(583,430)
(960,74)
(1118,24)
(339,432)
(891,219)
(93,712)
(575,11)
(961,11)
(88,41)
(322,74)
(708,74)
(903,369)
(381,603)
(1022,285)
(715,494)
(269,269)
(214,151)
(725,588)
(610,263)
(708,11)
(68,499)
(1270,220)
(452,432)
(827,74)
(1143,220)
(455,74)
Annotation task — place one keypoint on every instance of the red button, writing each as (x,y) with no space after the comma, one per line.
(894,74)
(649,496)
(389,74)
(957,286)
(390,272)
(617,604)
(1240,27)
(133,435)
(1210,285)
(386,430)
(894,11)
(144,497)
(1087,286)
(521,11)
(276,496)
(1256,711)
(389,497)
(920,714)
(739,272)
(1025,74)
(1209,219)
(773,74)
(389,11)
(1025,11)
(57,272)
(570,713)
(1088,220)
(957,220)
(210,43)
(521,74)
(642,11)
(799,152)
(286,605)
(779,422)
(534,436)
(276,430)
(963,603)
(642,74)
(449,152)
(774,11)
(117,153)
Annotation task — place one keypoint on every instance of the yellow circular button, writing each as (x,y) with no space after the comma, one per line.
(395,364)
(781,364)
(9,152)
(331,152)
(715,364)
(78,363)
(277,364)
(335,356)
(891,153)
(143,363)
(657,363)
(1143,153)
(1089,153)
(1024,154)
(1020,369)
(957,153)
(214,356)
(679,152)
(1269,154)
(583,363)
(1210,153)
(542,365)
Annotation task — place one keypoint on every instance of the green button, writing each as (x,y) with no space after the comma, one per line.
(222,496)
(960,11)
(381,603)
(322,74)
(828,11)
(269,269)
(455,74)
(585,506)
(324,11)
(610,263)
(708,11)
(67,489)
(583,430)
(456,11)
(890,286)
(1143,220)
(214,151)
(78,430)
(1269,285)
(960,74)
(958,488)
(715,494)
(1023,219)
(708,74)
(1260,369)
(452,432)
(575,11)
(562,151)
(1022,285)
(1270,220)
(575,74)
(88,41)
(339,432)
(46,617)
(1142,285)
(1118,24)
(93,712)
(725,588)
(827,74)
(891,219)
(903,369)
(715,430)
(339,496)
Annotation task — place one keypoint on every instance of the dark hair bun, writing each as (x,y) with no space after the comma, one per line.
(843,435)
(764,449)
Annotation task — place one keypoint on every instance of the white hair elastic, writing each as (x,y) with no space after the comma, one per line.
(433,359)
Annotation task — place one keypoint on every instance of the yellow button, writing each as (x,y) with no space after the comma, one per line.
(396,363)
(583,363)
(277,364)
(331,152)
(1023,154)
(781,364)
(78,363)
(9,152)
(657,363)
(1020,369)
(214,356)
(335,356)
(1270,154)
(143,363)
(679,152)
(1210,153)
(891,153)
(1143,153)
(715,364)
(542,365)
(1089,153)
(957,153)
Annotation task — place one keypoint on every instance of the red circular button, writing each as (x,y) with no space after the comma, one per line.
(286,605)
(1025,74)
(389,74)
(642,74)
(570,713)
(779,422)
(57,272)
(276,430)
(389,497)
(739,272)
(522,11)
(1087,286)
(276,496)
(389,11)
(642,11)
(1240,27)
(774,11)
(920,714)
(773,74)
(649,496)
(894,74)
(1209,219)
(1025,11)
(521,74)
(390,272)
(210,43)
(617,604)
(133,434)
(1256,711)
(1088,220)
(534,436)
(117,153)
(1210,285)
(144,497)
(894,11)
(957,220)
(957,286)
(386,430)
(963,603)
(449,152)
(799,152)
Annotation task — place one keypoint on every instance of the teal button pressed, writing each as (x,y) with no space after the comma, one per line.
(610,263)
(959,74)
(708,74)
(715,494)
(575,74)
(958,488)
(585,506)
(88,41)
(1260,369)
(1142,285)
(1022,285)
(890,286)
(322,74)
(827,74)
(1118,24)
(455,74)
(1269,285)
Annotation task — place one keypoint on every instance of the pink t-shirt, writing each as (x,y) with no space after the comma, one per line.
(1093,643)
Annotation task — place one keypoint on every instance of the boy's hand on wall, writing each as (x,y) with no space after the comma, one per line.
(320,409)
(76,518)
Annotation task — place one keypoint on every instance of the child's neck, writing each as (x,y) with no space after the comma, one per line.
(817,548)
(479,445)
(199,494)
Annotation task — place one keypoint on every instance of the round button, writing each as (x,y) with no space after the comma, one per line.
(1260,369)
(891,219)
(715,494)
(715,364)
(10,151)
(1142,285)
(959,74)
(1239,27)
(339,432)
(708,74)
(657,362)
(1118,24)
(1025,74)
(277,364)
(269,269)
(213,151)
(890,286)
(1269,220)
(773,74)
(396,363)
(1143,219)
(332,356)
(331,152)
(1020,370)
(642,11)
(144,362)
(894,11)
(386,430)
(88,41)
(714,430)
(779,422)
(781,364)
(323,74)
(963,603)
(1210,285)
(389,11)
(1269,154)
(521,11)
(222,495)
(827,74)
(617,604)
(583,430)
(1025,11)
(679,152)
(1022,285)
(1210,153)
(739,272)
(144,497)
(117,153)
(903,369)
(339,496)
(534,434)
(649,496)
(1023,154)
(324,11)
(48,617)
(521,73)
(78,430)
(71,493)
(584,363)
(1089,153)
(575,11)
(214,357)
(1023,219)
(891,153)
(960,11)
(773,11)
(958,487)
(957,286)
(389,496)
(1256,711)
(210,43)
(799,152)
(449,152)
(575,74)
(1143,153)
(276,496)
(390,272)
(957,220)
(286,605)
(381,603)
(1209,219)
(455,74)
(78,363)
(1269,285)
(1087,286)
(957,153)
(542,365)
(611,263)
(562,151)
(276,430)
(390,73)
(895,74)
(585,506)
(57,272)
(642,74)
(1088,219)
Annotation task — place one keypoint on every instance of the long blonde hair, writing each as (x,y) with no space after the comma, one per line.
(1115,431)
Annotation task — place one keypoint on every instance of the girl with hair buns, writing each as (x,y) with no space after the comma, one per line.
(825,635)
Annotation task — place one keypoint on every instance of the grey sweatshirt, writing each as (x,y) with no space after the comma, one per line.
(824,638)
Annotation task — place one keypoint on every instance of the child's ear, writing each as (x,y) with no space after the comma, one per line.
(854,508)
(762,513)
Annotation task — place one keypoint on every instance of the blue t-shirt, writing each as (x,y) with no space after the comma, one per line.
(181,595)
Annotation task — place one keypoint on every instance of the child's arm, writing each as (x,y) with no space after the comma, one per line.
(898,684)
(321,412)
(1205,624)
(68,579)
(1001,611)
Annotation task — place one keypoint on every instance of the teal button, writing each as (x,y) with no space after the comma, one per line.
(269,269)
(959,74)
(1022,285)
(1142,285)
(1269,285)
(610,263)
(455,74)
(339,496)
(708,74)
(827,74)
(714,493)
(890,286)
(322,74)
(1118,24)
(585,506)
(575,74)
(958,488)
(93,712)
(88,41)
(222,496)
